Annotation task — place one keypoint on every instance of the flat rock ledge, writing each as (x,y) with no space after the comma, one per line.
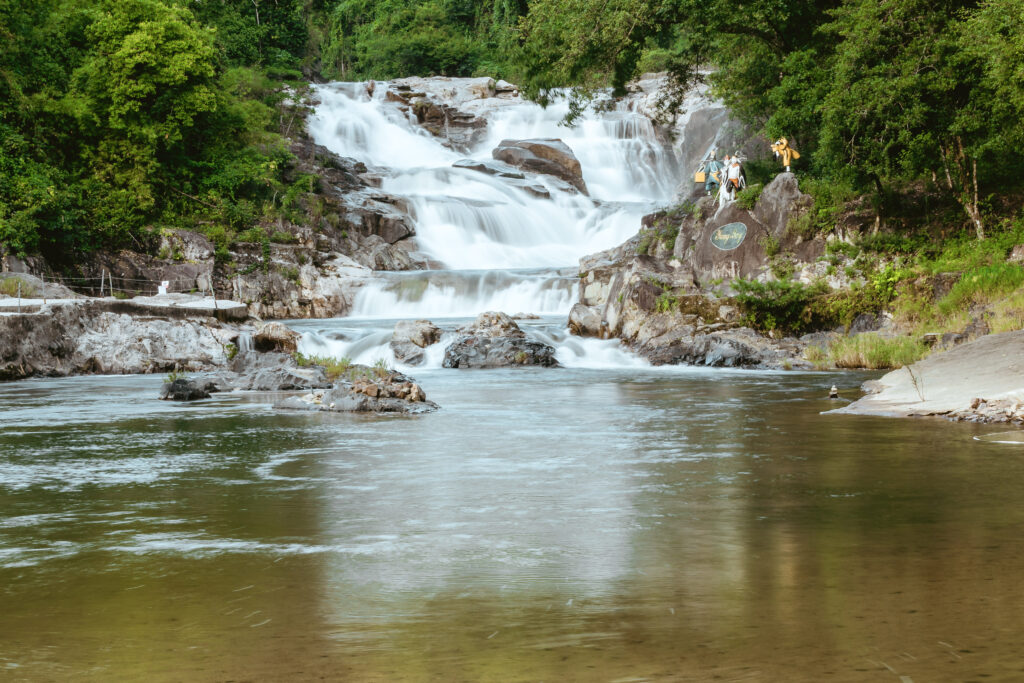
(980,381)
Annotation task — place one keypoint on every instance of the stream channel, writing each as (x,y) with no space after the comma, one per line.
(602,521)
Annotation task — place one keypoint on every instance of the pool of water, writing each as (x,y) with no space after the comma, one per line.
(570,524)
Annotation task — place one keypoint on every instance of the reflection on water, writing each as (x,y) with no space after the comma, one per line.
(567,524)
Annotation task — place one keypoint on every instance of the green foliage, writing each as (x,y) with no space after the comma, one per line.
(117,115)
(982,285)
(384,39)
(781,305)
(748,196)
(666,302)
(872,351)
(333,367)
(230,351)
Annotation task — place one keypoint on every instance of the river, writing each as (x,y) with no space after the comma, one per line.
(570,524)
(602,521)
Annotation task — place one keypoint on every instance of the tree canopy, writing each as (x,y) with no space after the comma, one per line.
(119,116)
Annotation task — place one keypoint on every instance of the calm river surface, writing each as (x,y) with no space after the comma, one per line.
(545,525)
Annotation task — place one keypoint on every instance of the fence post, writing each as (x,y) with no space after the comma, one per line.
(19,297)
(213,293)
(101,282)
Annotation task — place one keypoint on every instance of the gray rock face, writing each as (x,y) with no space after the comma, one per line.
(272,371)
(411,337)
(494,340)
(545,156)
(185,390)
(77,338)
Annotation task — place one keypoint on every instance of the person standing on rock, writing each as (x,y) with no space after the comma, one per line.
(713,170)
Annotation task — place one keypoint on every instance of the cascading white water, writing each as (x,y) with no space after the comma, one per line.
(488,230)
(464,294)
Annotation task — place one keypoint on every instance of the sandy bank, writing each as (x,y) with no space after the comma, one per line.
(982,381)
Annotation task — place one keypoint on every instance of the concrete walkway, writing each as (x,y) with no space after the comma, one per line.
(173,305)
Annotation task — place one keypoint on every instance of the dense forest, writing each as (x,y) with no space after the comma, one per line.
(119,117)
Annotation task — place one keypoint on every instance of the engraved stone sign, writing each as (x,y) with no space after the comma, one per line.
(729,236)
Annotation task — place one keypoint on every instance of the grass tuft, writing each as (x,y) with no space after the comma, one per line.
(875,352)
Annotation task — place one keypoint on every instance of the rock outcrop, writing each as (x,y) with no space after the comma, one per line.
(365,390)
(494,340)
(665,291)
(83,338)
(547,157)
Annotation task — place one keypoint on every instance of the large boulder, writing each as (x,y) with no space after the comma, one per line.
(494,340)
(275,336)
(411,337)
(547,156)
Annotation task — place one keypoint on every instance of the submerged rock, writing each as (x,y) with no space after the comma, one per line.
(494,340)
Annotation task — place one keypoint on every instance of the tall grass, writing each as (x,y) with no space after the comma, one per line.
(9,286)
(982,285)
(874,352)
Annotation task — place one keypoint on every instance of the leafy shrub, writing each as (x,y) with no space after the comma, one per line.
(748,196)
(781,305)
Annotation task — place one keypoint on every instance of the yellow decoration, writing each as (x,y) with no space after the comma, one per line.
(782,149)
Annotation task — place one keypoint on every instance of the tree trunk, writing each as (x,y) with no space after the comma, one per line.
(962,179)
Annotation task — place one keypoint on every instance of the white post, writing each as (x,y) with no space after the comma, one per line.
(19,297)
(102,273)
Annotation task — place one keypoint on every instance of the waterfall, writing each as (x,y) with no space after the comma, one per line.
(508,244)
(245,342)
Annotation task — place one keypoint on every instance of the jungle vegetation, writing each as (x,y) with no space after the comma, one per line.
(118,117)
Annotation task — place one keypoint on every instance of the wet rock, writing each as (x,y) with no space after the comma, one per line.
(585,321)
(184,389)
(411,337)
(275,336)
(547,156)
(493,168)
(495,340)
